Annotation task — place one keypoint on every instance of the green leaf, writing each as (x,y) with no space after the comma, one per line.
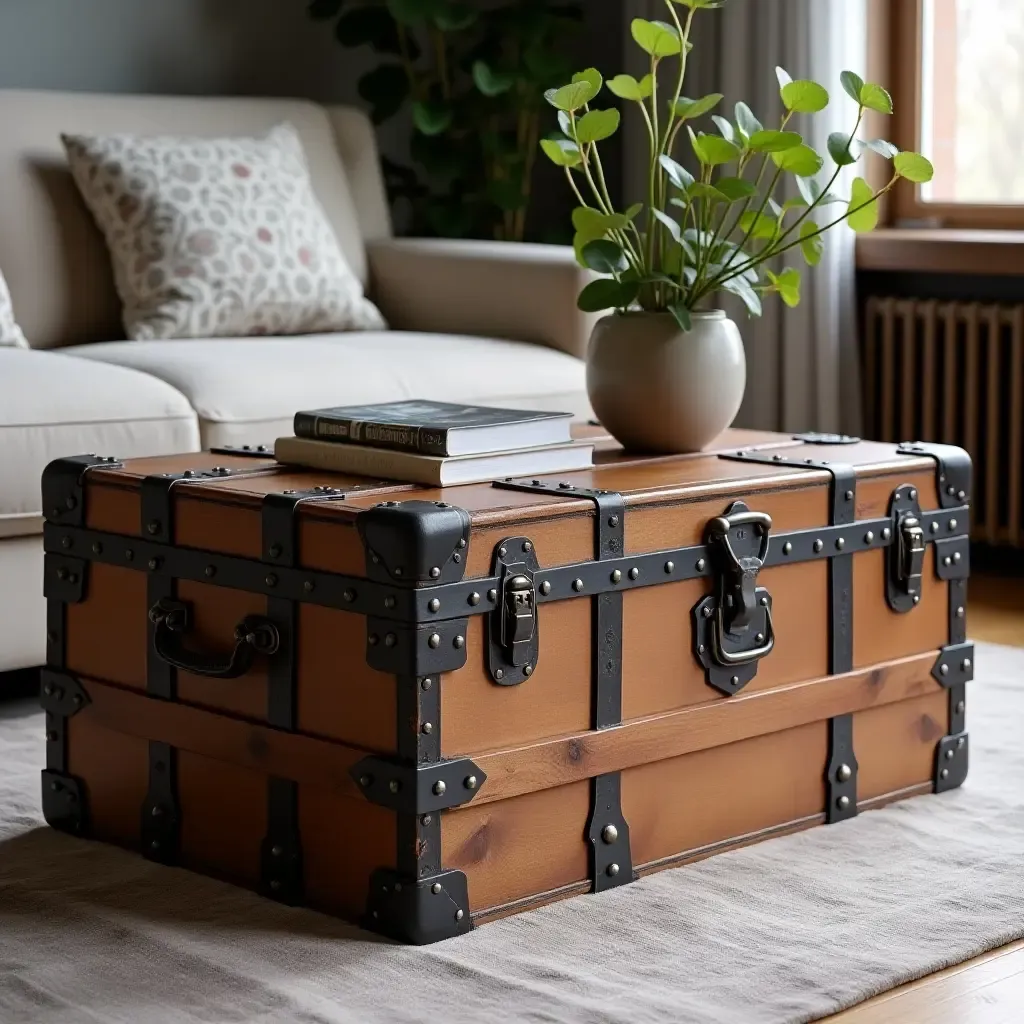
(700,5)
(656,38)
(804,97)
(597,125)
(677,173)
(913,167)
(607,294)
(682,315)
(572,96)
(800,160)
(562,152)
(626,87)
(862,213)
(490,82)
(633,210)
(701,190)
(604,256)
(783,76)
(455,17)
(794,204)
(773,142)
(744,289)
(592,77)
(673,225)
(746,122)
(812,248)
(758,225)
(844,149)
(725,127)
(565,123)
(884,149)
(787,284)
(385,88)
(432,118)
(506,194)
(711,150)
(735,188)
(852,85)
(811,191)
(874,97)
(687,109)
(586,218)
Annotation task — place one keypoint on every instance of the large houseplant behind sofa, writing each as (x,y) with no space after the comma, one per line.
(494,323)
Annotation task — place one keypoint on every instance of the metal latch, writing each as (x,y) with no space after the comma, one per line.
(910,537)
(519,617)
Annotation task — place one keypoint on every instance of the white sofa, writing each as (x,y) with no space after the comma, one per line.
(484,322)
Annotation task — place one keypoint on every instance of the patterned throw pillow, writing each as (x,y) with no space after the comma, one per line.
(10,332)
(217,237)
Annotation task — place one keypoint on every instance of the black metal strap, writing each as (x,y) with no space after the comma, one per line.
(952,466)
(611,862)
(841,774)
(161,815)
(607,614)
(281,850)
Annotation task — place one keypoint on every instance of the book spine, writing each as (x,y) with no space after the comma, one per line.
(356,460)
(421,440)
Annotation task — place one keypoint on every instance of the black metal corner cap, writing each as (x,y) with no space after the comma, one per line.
(64,803)
(415,541)
(418,911)
(62,487)
(954,469)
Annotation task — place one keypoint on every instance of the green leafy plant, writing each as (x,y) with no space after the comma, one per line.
(721,228)
(472,81)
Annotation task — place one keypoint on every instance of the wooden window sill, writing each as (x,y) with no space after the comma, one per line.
(942,251)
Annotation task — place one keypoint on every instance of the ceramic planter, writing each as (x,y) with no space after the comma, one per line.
(656,388)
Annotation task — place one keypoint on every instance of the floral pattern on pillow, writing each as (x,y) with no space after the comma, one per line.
(217,237)
(10,332)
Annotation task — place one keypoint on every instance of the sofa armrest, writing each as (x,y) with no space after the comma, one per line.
(514,290)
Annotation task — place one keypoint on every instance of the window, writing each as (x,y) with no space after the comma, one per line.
(957,75)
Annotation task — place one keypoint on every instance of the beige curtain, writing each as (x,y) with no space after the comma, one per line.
(802,364)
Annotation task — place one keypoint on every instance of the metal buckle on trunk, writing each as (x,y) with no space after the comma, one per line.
(912,548)
(906,553)
(512,632)
(519,616)
(733,627)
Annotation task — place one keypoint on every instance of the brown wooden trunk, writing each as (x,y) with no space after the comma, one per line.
(393,761)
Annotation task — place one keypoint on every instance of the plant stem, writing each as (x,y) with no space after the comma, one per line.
(407,62)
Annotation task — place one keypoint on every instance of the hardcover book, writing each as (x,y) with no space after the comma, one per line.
(435,428)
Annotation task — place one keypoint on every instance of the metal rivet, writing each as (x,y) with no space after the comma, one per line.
(72,577)
(960,707)
(71,502)
(499,673)
(777,458)
(435,888)
(616,576)
(609,834)
(439,787)
(154,563)
(849,495)
(960,743)
(527,545)
(701,648)
(917,599)
(434,572)
(845,773)
(759,639)
(840,543)
(818,545)
(787,548)
(425,684)
(670,567)
(934,527)
(427,728)
(373,639)
(394,785)
(275,550)
(48,689)
(462,542)
(707,612)
(577,585)
(434,640)
(210,570)
(960,611)
(950,754)
(843,802)
(527,670)
(389,602)
(943,669)
(470,782)
(944,774)
(952,525)
(492,595)
(390,640)
(459,915)
(701,564)
(271,580)
(868,537)
(503,551)
(398,570)
(634,573)
(155,845)
(474,598)
(433,605)
(275,851)
(349,595)
(275,884)
(956,556)
(613,520)
(545,588)
(913,494)
(965,665)
(459,642)
(612,870)
(129,555)
(62,573)
(961,495)
(153,526)
(947,560)
(735,680)
(886,533)
(66,542)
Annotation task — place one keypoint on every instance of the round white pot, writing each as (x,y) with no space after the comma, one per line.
(657,388)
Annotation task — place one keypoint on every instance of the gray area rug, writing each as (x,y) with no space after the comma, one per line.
(790,930)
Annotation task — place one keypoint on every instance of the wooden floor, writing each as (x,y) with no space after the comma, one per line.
(990,989)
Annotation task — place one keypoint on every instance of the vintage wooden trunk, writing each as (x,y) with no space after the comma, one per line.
(425,709)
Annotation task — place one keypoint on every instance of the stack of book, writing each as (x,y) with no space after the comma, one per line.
(434,443)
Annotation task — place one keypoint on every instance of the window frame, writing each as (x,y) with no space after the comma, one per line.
(897,28)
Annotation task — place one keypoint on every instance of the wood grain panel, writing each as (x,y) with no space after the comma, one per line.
(330,545)
(343,842)
(569,538)
(107,632)
(115,769)
(875,492)
(223,817)
(216,526)
(478,714)
(895,745)
(339,695)
(518,847)
(216,611)
(112,509)
(688,802)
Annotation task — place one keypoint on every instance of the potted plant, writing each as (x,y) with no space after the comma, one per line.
(666,369)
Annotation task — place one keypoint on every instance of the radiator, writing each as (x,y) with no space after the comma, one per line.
(953,372)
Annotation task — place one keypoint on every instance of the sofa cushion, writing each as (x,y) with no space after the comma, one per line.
(246,390)
(10,332)
(51,405)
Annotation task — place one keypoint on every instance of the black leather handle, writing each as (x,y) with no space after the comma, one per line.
(254,635)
